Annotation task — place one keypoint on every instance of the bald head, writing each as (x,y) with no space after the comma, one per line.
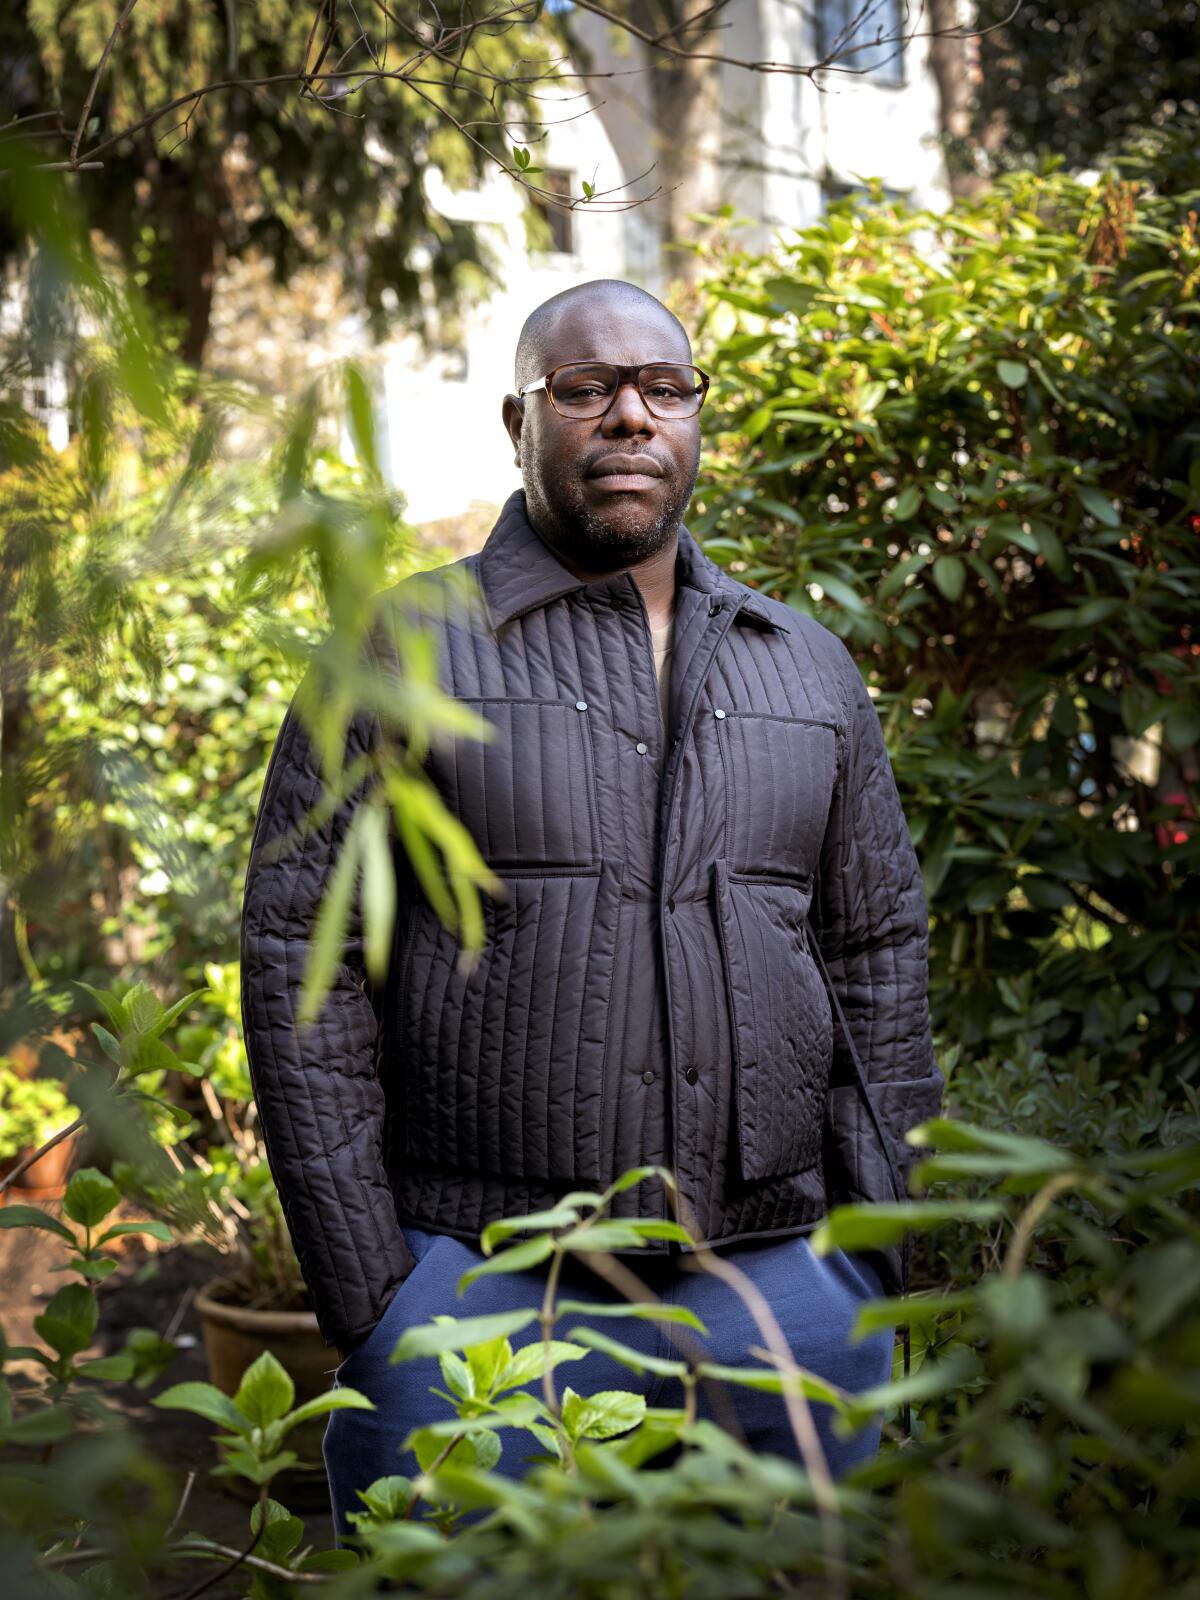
(592,305)
(609,490)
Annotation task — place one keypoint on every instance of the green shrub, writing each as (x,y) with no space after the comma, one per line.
(32,1110)
(1056,1452)
(970,444)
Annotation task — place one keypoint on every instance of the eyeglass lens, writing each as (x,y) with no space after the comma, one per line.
(586,389)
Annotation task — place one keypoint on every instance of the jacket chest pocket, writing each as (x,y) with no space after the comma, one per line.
(527,794)
(779,778)
(502,1068)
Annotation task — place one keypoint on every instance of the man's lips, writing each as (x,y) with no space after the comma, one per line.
(621,471)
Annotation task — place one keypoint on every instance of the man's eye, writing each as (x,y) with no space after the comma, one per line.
(584,391)
(667,391)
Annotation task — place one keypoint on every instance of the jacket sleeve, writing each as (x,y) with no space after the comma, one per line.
(870,918)
(319,1099)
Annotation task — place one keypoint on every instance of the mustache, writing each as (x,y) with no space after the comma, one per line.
(644,457)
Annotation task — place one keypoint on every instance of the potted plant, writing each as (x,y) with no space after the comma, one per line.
(257,1301)
(32,1111)
(214,1187)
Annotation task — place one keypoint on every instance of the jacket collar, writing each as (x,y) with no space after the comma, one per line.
(518,572)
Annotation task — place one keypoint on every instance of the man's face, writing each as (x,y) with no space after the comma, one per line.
(601,518)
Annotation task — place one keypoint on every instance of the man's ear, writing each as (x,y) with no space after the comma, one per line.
(513,412)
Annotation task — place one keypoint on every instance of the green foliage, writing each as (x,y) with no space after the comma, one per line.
(68,1324)
(154,622)
(1079,77)
(89,1198)
(269,170)
(968,443)
(259,1416)
(216,1184)
(32,1110)
(1055,1450)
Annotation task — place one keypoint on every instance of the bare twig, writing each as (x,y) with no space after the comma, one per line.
(167,1335)
(627,1282)
(547,1318)
(204,1548)
(183,1500)
(237,1557)
(126,13)
(795,1401)
(798,1409)
(36,1155)
(443,1454)
(1029,1219)
(450,45)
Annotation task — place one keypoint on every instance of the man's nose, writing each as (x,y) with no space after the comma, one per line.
(628,413)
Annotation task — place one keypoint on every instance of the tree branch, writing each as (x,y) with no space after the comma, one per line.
(448,47)
(96,76)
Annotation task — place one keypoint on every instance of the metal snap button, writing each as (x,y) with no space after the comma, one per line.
(647,1076)
(641,748)
(581,705)
(718,712)
(691,1075)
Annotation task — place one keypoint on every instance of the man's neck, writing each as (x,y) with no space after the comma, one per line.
(654,576)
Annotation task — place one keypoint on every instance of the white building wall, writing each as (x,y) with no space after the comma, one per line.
(447,446)
(873,130)
(782,140)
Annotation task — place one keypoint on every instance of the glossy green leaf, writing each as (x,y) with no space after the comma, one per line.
(1099,505)
(90,1196)
(331,927)
(949,573)
(602,1415)
(877,1226)
(344,1397)
(206,1401)
(517,1258)
(561,1216)
(459,1333)
(650,1310)
(627,1355)
(531,1360)
(266,1391)
(68,1323)
(769,1380)
(13,1215)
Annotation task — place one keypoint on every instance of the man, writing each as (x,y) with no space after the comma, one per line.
(685,774)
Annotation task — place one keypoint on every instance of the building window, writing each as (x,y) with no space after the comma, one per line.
(45,397)
(849,29)
(837,189)
(560,221)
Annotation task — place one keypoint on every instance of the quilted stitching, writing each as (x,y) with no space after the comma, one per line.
(596,1033)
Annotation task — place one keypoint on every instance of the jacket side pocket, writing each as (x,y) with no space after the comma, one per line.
(781,1029)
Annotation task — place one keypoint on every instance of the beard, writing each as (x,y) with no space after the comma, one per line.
(602,538)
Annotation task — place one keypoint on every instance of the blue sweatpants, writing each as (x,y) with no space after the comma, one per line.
(814,1298)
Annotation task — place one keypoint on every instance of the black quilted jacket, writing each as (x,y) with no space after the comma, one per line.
(649,992)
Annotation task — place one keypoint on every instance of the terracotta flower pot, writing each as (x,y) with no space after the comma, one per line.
(47,1178)
(234,1336)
